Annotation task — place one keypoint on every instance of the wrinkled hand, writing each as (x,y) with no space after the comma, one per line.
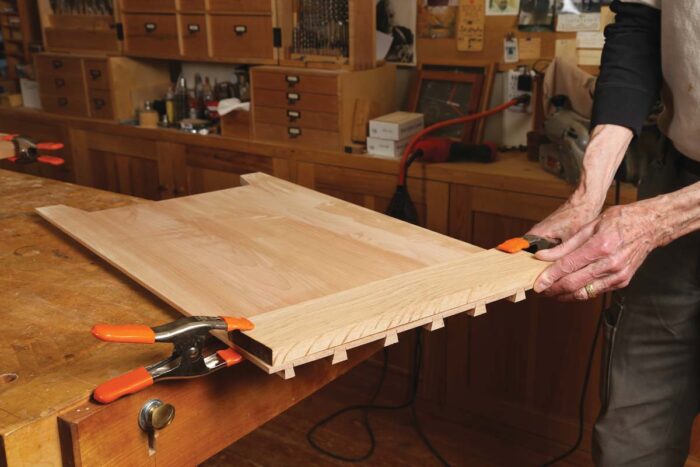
(563,223)
(605,253)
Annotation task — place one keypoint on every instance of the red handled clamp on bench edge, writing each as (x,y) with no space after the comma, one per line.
(27,151)
(188,336)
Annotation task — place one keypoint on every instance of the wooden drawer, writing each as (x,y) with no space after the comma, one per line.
(64,104)
(148,6)
(301,118)
(100,104)
(192,5)
(60,83)
(242,36)
(47,64)
(241,6)
(151,35)
(295,100)
(292,80)
(97,74)
(194,36)
(295,135)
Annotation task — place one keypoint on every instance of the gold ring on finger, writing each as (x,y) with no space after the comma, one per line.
(591,291)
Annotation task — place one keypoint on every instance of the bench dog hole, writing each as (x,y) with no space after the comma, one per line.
(7,378)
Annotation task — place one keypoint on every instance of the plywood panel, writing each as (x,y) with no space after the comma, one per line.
(315,274)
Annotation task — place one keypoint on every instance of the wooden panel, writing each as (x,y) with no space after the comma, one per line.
(71,40)
(297,136)
(46,63)
(242,37)
(300,118)
(296,80)
(97,74)
(241,6)
(210,169)
(56,82)
(285,217)
(151,35)
(194,36)
(124,174)
(149,6)
(66,105)
(296,100)
(192,5)
(100,103)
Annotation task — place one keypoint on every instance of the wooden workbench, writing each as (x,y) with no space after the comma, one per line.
(53,292)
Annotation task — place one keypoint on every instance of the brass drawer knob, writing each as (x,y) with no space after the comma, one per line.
(99,103)
(292,80)
(293,115)
(150,27)
(156,415)
(95,74)
(62,102)
(240,29)
(56,64)
(294,132)
(60,82)
(192,28)
(293,97)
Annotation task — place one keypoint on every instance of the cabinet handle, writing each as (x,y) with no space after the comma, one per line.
(95,74)
(62,102)
(293,115)
(149,27)
(56,64)
(192,28)
(60,82)
(293,97)
(294,132)
(99,103)
(292,80)
(240,30)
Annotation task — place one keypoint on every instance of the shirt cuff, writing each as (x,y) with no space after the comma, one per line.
(621,105)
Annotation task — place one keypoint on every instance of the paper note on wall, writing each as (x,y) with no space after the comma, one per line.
(470,29)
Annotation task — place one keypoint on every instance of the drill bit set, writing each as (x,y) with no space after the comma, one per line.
(321,27)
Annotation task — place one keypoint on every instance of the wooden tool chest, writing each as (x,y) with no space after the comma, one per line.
(99,87)
(217,30)
(315,108)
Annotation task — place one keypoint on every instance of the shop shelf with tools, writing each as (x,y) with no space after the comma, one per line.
(19,29)
(328,33)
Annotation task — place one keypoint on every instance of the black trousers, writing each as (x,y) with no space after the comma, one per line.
(651,361)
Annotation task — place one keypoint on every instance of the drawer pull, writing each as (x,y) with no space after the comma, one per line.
(62,102)
(294,132)
(95,74)
(192,28)
(150,27)
(293,97)
(293,115)
(99,103)
(240,30)
(60,82)
(292,80)
(56,64)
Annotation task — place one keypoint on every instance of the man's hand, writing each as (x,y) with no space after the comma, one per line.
(568,219)
(604,254)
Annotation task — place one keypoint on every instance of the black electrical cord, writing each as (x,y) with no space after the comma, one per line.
(587,376)
(366,408)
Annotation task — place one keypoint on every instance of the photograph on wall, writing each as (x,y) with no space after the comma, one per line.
(396,22)
(578,15)
(536,15)
(502,7)
(437,19)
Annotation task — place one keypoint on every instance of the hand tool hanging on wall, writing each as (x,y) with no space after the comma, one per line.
(25,151)
(401,206)
(188,360)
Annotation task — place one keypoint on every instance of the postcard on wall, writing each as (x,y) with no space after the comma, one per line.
(536,15)
(437,19)
(502,7)
(470,26)
(397,18)
(578,15)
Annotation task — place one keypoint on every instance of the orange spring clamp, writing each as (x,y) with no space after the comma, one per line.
(188,336)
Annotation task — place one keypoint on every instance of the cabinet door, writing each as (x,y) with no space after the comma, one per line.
(210,169)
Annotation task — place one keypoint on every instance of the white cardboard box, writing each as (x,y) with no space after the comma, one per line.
(396,126)
(30,93)
(387,148)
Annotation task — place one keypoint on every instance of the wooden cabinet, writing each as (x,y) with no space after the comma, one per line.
(100,87)
(315,108)
(238,31)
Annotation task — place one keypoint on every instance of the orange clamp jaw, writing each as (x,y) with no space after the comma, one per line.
(233,324)
(128,383)
(514,245)
(128,334)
